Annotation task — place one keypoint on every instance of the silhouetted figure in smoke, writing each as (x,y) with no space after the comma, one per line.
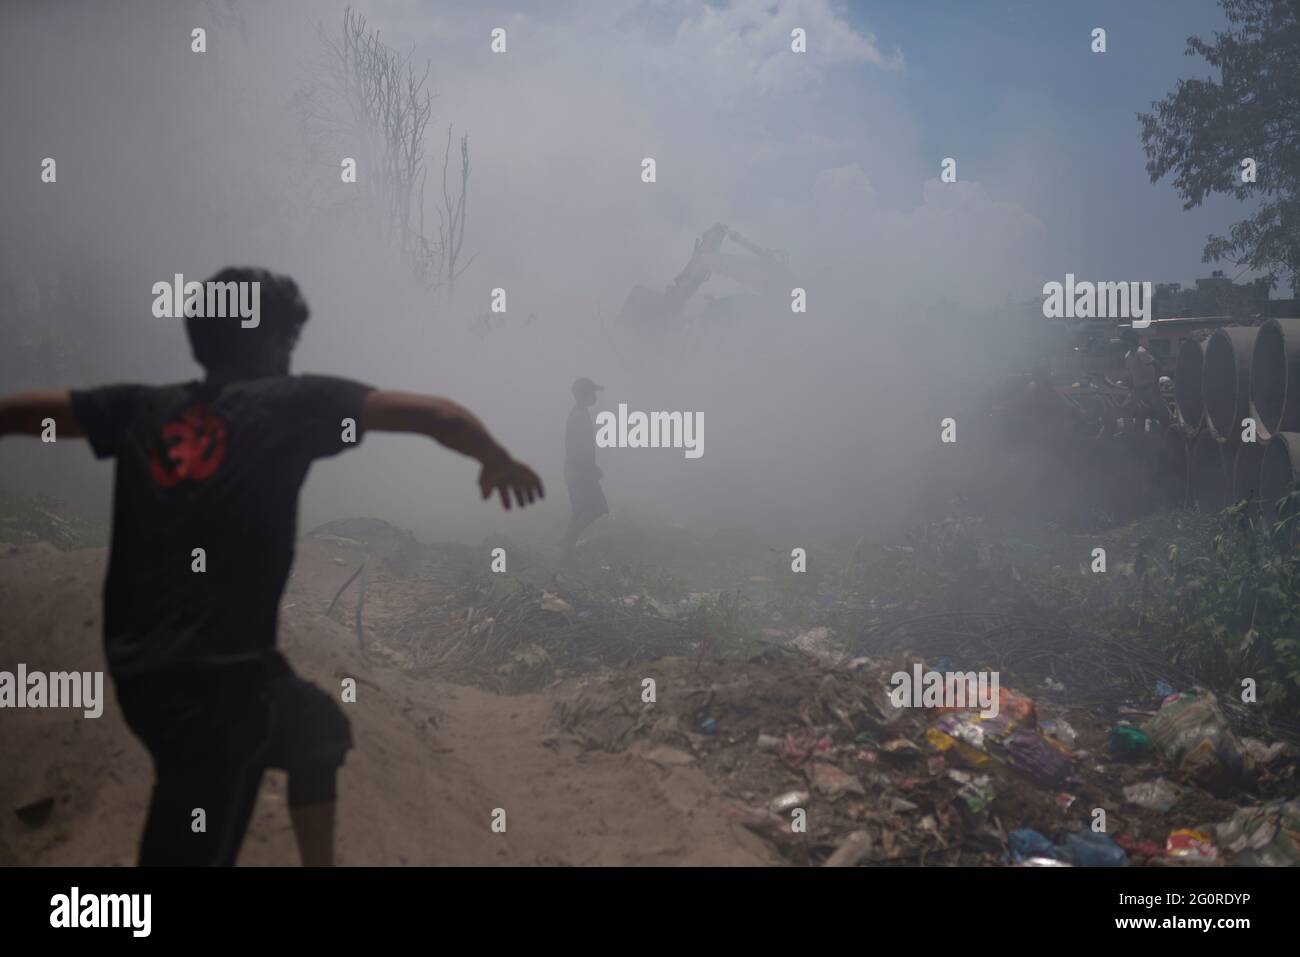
(581,473)
(190,635)
(1145,401)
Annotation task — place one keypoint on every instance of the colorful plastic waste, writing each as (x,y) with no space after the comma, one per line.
(1092,849)
(976,791)
(1041,759)
(1187,843)
(901,748)
(1156,795)
(1192,732)
(1264,836)
(1028,842)
(1139,847)
(1263,753)
(1127,741)
(1020,708)
(1014,710)
(943,740)
(1080,849)
(1061,730)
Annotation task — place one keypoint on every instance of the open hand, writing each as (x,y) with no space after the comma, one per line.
(509,476)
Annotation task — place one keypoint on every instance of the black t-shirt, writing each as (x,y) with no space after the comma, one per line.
(216,467)
(579,445)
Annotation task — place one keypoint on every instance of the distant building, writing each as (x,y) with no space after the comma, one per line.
(1218,295)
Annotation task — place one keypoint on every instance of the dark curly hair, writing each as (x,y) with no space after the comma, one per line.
(226,345)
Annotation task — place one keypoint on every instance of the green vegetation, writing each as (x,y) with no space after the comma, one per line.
(1216,596)
(1203,132)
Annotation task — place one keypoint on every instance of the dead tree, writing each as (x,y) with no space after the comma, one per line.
(386,111)
(451,215)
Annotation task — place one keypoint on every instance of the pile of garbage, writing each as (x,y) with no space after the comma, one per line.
(529,637)
(820,761)
(435,610)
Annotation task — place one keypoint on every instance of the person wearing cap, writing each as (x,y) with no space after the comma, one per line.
(581,473)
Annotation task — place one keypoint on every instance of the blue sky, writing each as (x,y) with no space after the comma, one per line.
(1013,90)
(1044,131)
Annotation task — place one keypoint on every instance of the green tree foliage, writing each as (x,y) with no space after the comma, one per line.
(1204,129)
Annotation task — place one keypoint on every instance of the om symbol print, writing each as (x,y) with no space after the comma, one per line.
(194,447)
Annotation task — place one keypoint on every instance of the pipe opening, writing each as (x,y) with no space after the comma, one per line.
(1188,394)
(1219,385)
(1276,475)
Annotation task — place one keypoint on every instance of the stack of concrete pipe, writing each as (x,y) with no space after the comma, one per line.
(1241,378)
(1275,406)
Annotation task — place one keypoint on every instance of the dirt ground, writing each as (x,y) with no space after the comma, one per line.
(432,761)
(737,742)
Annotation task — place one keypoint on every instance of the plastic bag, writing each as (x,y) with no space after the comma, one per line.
(1187,843)
(1193,733)
(1158,795)
(1265,836)
(1091,849)
(1041,759)
(1128,741)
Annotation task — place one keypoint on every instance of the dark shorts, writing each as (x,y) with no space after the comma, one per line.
(212,732)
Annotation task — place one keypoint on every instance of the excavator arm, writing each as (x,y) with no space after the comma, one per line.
(765,271)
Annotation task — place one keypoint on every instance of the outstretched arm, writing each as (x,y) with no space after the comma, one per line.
(24,413)
(458,429)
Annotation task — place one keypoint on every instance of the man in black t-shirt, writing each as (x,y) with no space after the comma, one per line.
(204,512)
